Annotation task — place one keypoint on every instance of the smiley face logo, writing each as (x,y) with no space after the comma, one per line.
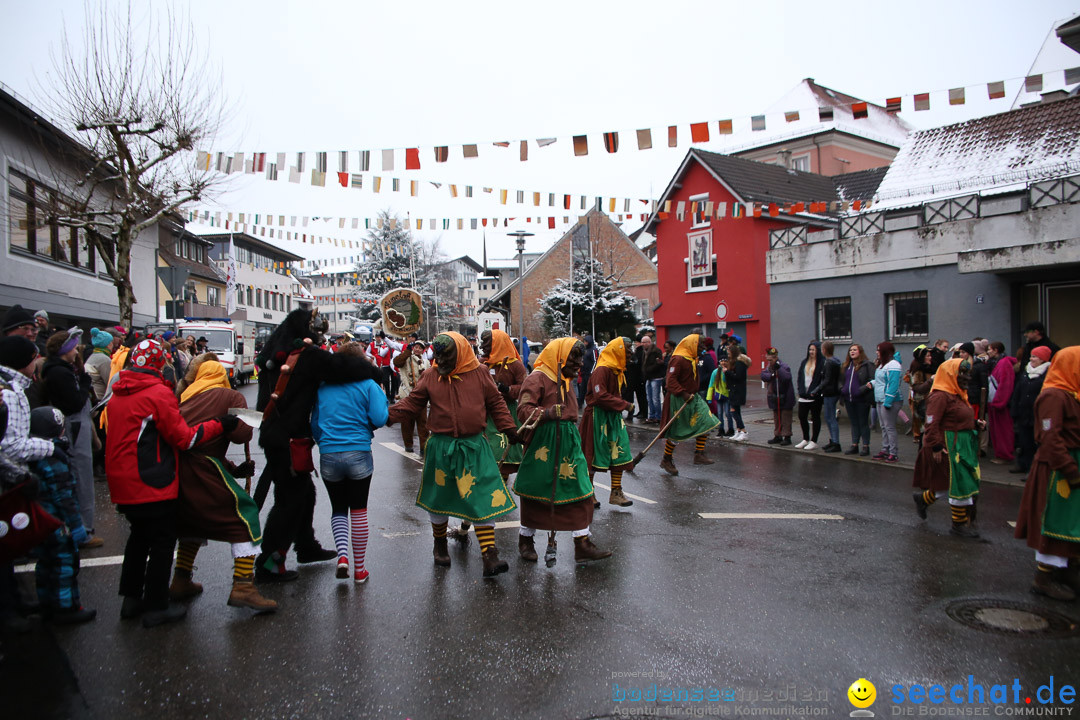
(862,693)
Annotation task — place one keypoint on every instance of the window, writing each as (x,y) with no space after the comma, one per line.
(31,230)
(909,316)
(834,318)
(258,297)
(700,261)
(249,303)
(213,295)
(699,219)
(802,164)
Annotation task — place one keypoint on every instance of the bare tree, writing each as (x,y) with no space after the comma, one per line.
(141,98)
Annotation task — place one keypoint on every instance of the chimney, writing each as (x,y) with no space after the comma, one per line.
(783,157)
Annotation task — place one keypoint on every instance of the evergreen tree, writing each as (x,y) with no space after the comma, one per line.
(592,293)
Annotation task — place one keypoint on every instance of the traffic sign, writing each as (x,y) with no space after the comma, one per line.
(721,311)
(721,325)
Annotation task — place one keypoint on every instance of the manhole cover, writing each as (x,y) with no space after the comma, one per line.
(1011,618)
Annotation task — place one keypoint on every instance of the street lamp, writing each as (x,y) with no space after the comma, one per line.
(520,236)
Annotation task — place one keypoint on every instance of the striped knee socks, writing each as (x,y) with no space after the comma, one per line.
(243,568)
(669,449)
(359,525)
(616,480)
(185,556)
(699,444)
(438,530)
(340,525)
(959,514)
(929,497)
(486,535)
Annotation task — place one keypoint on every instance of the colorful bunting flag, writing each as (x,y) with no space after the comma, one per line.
(544,142)
(757,123)
(699,132)
(357,180)
(1072,76)
(922,101)
(469,151)
(442,153)
(611,141)
(791,116)
(1033,83)
(892,105)
(995,90)
(859,110)
(412,158)
(581,145)
(825,114)
(644,139)
(523,154)
(343,179)
(365,160)
(956,96)
(672,136)
(387,160)
(725,127)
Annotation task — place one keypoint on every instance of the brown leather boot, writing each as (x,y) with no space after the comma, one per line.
(492,564)
(526,548)
(1051,585)
(617,498)
(442,555)
(700,458)
(245,595)
(182,587)
(585,551)
(668,466)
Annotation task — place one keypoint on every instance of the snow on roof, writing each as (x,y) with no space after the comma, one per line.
(807,97)
(1052,56)
(1032,143)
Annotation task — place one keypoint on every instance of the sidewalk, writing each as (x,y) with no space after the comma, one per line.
(759,425)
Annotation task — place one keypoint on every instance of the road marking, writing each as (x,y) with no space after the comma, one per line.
(634,497)
(83,563)
(769,516)
(400,450)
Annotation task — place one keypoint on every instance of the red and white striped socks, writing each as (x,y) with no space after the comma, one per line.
(359,526)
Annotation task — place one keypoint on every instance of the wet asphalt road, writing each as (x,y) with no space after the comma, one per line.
(746,606)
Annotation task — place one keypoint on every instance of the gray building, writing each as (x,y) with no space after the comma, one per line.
(975,231)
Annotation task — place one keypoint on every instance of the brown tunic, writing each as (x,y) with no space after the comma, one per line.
(207,509)
(458,407)
(945,412)
(680,381)
(512,375)
(540,392)
(1055,439)
(603,393)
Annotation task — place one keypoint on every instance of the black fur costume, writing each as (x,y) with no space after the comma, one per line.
(290,519)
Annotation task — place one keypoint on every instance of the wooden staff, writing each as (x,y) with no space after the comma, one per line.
(530,424)
(247,458)
(641,455)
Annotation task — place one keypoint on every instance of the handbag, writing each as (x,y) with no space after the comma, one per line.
(300,454)
(24,524)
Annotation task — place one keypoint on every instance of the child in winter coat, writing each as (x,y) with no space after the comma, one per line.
(717,397)
(146,433)
(57,571)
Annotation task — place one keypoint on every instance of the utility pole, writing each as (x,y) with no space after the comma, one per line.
(519,236)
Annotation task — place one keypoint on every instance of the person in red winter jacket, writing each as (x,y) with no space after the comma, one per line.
(146,434)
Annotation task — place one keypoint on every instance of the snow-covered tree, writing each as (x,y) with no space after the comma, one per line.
(592,293)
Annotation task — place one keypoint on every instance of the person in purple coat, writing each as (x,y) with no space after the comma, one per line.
(781,396)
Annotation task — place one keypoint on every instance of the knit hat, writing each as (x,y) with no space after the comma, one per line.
(16,352)
(168,335)
(100,338)
(1042,352)
(148,355)
(968,347)
(17,315)
(41,314)
(981,347)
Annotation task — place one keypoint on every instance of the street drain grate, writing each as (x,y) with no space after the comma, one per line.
(1011,618)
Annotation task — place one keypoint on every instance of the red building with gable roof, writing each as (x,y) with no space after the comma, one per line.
(704,261)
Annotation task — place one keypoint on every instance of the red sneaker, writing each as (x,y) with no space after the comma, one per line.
(342,567)
(360,577)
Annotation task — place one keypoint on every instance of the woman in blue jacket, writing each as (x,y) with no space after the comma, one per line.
(886,385)
(343,422)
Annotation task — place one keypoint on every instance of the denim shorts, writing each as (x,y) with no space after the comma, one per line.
(349,465)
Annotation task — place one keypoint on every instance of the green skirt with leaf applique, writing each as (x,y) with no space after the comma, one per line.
(542,467)
(461,478)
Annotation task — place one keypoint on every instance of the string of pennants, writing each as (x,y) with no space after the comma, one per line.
(700,132)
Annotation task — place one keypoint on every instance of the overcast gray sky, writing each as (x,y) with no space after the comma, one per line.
(352,76)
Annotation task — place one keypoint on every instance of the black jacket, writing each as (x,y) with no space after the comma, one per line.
(814,391)
(705,371)
(830,380)
(63,389)
(1022,403)
(653,364)
(736,381)
(980,380)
